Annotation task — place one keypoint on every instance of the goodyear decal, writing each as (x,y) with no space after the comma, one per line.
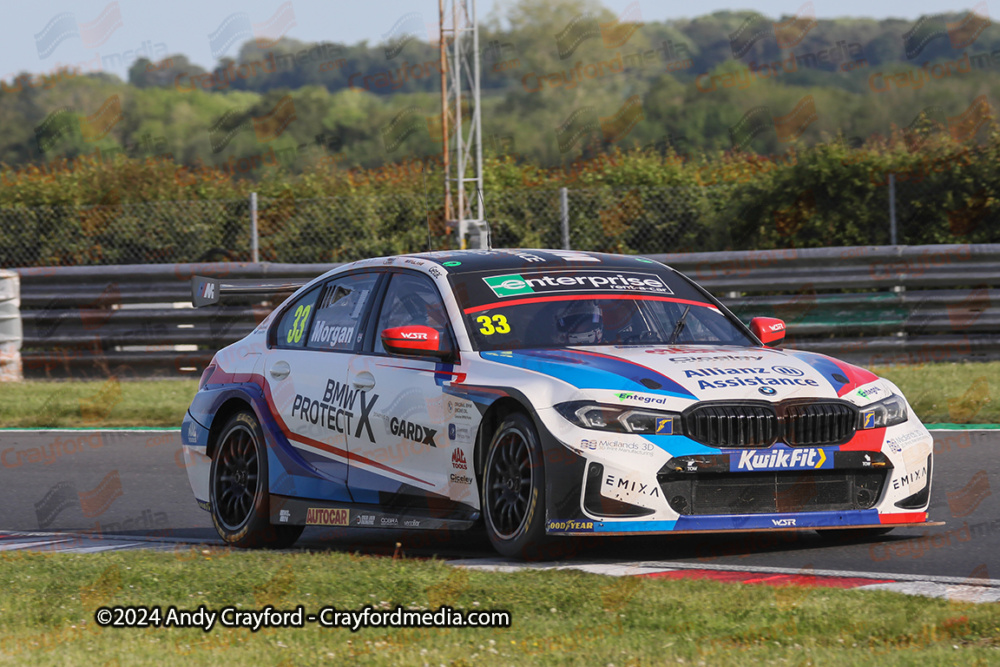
(569,526)
(780,458)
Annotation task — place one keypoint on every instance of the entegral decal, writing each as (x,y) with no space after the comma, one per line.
(800,458)
(318,516)
(555,282)
(336,410)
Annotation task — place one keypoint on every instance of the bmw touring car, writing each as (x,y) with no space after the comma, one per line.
(538,394)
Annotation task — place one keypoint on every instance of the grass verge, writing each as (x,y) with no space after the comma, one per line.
(939,393)
(558,617)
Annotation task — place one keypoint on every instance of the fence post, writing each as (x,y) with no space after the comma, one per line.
(892,209)
(564,216)
(254,245)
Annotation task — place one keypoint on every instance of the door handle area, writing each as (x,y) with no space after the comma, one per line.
(363,380)
(280,370)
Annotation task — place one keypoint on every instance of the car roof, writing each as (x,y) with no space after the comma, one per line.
(470,261)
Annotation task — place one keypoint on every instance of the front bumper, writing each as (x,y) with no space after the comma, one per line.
(821,488)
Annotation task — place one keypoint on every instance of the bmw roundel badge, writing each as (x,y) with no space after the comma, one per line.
(768,391)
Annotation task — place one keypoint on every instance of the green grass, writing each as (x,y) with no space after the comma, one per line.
(940,393)
(558,617)
(949,393)
(91,404)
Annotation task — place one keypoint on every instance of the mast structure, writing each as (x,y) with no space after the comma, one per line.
(461,122)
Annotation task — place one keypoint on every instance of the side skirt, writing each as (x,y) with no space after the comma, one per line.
(300,512)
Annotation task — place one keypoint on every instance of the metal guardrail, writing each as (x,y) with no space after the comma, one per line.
(870,305)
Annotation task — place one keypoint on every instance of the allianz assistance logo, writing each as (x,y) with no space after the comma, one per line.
(804,458)
(516,284)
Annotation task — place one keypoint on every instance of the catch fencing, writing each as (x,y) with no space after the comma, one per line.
(644,220)
(872,305)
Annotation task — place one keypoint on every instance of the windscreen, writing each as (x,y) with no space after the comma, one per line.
(568,307)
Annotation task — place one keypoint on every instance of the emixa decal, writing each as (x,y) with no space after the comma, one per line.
(613,483)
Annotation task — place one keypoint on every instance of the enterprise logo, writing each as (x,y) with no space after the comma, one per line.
(517,284)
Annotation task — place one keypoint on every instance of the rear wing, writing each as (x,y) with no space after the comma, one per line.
(206,291)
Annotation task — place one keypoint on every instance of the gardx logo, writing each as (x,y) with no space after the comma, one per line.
(804,458)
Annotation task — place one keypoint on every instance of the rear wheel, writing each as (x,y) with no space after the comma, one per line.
(513,492)
(239,495)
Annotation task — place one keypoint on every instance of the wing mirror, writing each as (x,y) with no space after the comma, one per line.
(415,341)
(770,330)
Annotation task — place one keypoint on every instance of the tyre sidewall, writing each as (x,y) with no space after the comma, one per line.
(254,530)
(530,537)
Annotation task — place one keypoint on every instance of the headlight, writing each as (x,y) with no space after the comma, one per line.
(887,412)
(620,420)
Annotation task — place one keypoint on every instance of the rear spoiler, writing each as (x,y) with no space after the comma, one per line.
(206,291)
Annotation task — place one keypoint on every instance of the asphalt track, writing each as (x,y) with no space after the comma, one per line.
(133,485)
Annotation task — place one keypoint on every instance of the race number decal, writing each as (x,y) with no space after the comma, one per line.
(492,325)
(299,325)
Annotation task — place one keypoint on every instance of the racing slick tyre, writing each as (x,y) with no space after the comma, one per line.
(238,488)
(513,491)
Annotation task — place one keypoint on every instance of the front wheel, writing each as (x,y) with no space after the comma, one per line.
(513,492)
(238,491)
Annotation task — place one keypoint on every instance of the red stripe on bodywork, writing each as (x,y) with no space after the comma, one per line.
(903,517)
(769,579)
(223,377)
(459,377)
(855,376)
(577,297)
(865,440)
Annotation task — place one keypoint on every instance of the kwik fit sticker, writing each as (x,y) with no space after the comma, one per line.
(780,458)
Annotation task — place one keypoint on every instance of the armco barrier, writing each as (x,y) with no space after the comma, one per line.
(871,305)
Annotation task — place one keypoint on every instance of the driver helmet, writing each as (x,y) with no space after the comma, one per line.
(581,324)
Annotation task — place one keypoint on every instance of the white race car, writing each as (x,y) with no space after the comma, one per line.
(542,393)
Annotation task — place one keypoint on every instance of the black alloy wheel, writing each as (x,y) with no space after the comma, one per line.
(238,492)
(514,489)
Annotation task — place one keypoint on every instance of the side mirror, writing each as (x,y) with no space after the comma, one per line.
(770,330)
(415,341)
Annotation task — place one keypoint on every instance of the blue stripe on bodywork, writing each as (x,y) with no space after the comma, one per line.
(738,522)
(824,366)
(759,521)
(680,445)
(586,370)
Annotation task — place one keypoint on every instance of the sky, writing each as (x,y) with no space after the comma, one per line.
(40,37)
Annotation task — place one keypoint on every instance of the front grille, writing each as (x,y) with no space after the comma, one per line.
(772,492)
(732,425)
(797,423)
(819,423)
